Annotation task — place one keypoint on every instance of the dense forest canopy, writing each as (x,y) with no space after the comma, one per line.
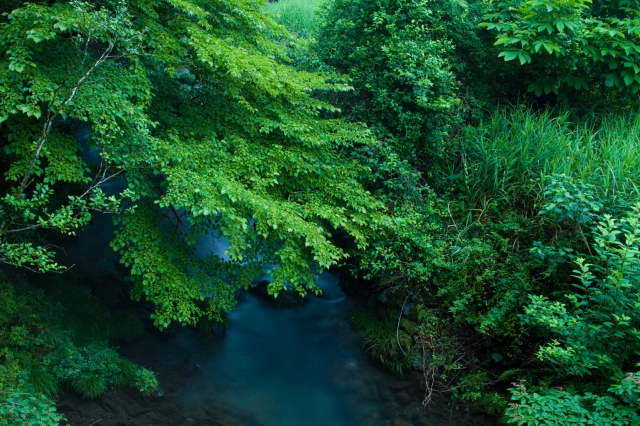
(473,165)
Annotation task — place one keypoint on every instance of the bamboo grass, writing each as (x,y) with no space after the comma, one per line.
(298,16)
(511,156)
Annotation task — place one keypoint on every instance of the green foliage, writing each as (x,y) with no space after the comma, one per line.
(92,370)
(473,259)
(570,201)
(577,43)
(40,93)
(509,157)
(42,380)
(596,327)
(196,107)
(221,125)
(396,55)
(552,406)
(22,409)
(472,388)
(39,353)
(381,337)
(479,271)
(145,381)
(595,342)
(473,253)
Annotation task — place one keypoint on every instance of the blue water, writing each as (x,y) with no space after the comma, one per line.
(275,366)
(283,365)
(294,366)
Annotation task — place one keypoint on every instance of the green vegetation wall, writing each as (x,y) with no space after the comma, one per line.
(197,109)
(396,54)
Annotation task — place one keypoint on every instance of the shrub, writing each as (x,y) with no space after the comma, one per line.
(595,344)
(92,370)
(38,355)
(395,53)
(18,409)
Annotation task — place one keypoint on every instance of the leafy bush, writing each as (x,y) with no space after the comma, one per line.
(596,343)
(573,43)
(552,406)
(396,54)
(22,409)
(92,370)
(508,232)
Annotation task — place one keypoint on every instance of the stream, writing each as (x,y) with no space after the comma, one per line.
(299,365)
(293,366)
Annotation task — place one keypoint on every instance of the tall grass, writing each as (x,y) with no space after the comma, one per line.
(298,16)
(511,156)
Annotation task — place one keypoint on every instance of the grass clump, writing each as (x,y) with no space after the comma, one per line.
(511,156)
(378,332)
(298,16)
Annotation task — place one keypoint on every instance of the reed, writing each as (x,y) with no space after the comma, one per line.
(511,156)
(298,16)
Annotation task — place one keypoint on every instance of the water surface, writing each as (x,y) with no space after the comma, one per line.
(294,366)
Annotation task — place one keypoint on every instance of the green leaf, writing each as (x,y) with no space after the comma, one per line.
(509,55)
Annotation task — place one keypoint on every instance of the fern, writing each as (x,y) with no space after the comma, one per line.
(124,373)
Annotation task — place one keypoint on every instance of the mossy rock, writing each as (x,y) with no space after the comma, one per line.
(404,339)
(407,325)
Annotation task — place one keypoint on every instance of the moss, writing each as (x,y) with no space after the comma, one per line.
(407,325)
(404,339)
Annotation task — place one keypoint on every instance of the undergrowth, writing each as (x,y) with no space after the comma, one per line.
(511,156)
(56,339)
